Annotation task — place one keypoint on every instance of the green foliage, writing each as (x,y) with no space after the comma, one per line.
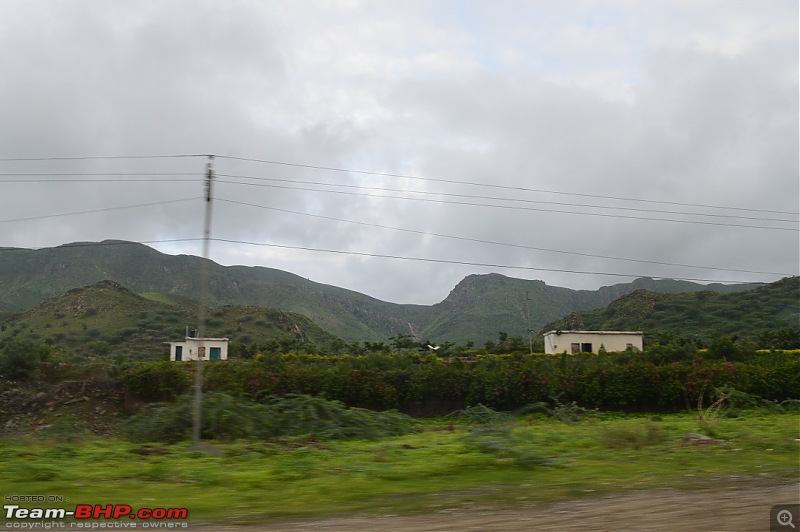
(268,483)
(565,387)
(767,315)
(224,417)
(228,417)
(476,309)
(480,414)
(502,442)
(157,381)
(568,412)
(19,360)
(730,402)
(314,417)
(786,338)
(731,348)
(121,322)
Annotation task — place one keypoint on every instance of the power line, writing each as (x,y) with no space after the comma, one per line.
(492,242)
(89,177)
(375,255)
(105,209)
(128,177)
(82,174)
(491,198)
(514,207)
(463,263)
(126,180)
(388,174)
(83,177)
(95,157)
(507,187)
(495,198)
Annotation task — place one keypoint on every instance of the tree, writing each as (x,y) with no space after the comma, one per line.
(18,360)
(403,341)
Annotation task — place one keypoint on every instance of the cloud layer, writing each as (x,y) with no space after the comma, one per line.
(524,119)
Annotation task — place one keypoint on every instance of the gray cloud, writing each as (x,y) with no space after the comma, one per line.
(685,102)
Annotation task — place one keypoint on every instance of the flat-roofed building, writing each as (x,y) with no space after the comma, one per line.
(591,341)
(203,348)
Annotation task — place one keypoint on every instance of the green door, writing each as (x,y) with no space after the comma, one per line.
(178,353)
(216,353)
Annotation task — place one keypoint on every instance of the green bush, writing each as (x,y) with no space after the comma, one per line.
(502,442)
(436,386)
(157,381)
(228,417)
(223,417)
(19,360)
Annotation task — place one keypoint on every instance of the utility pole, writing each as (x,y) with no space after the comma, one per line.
(528,312)
(201,311)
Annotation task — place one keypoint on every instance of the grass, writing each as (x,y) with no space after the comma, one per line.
(254,481)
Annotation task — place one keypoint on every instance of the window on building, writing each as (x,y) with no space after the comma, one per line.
(586,348)
(576,348)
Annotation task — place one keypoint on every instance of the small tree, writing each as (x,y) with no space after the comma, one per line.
(18,360)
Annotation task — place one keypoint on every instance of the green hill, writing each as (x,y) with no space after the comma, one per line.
(476,309)
(107,319)
(702,315)
(482,305)
(29,277)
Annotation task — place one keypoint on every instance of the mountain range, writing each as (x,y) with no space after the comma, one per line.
(772,307)
(476,309)
(108,319)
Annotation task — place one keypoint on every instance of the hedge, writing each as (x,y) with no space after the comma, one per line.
(412,383)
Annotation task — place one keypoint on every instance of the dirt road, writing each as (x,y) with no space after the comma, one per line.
(732,506)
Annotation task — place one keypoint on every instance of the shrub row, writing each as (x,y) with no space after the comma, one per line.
(414,383)
(228,417)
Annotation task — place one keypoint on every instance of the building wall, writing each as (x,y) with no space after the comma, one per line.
(591,341)
(191,346)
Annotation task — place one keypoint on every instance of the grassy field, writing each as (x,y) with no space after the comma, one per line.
(443,465)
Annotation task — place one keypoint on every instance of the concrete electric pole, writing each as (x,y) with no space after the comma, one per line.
(201,311)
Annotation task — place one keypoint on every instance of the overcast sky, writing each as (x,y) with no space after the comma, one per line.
(495,111)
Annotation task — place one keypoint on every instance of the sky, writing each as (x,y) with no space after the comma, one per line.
(394,147)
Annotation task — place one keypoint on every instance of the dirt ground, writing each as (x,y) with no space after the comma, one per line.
(732,506)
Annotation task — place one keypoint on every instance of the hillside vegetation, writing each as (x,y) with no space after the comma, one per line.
(108,319)
(477,308)
(700,315)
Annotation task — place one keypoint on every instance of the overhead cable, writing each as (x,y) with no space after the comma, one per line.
(464,263)
(105,209)
(496,198)
(495,243)
(514,207)
(493,185)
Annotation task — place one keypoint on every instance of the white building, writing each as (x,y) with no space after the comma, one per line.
(192,348)
(591,341)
